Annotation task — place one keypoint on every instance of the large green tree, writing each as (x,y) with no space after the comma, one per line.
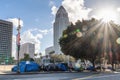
(91,39)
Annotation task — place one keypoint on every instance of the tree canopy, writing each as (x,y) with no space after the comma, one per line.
(91,39)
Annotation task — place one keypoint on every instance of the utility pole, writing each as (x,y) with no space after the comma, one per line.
(18,44)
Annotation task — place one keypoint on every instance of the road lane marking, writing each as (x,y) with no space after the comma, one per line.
(43,78)
(104,76)
(96,77)
(87,77)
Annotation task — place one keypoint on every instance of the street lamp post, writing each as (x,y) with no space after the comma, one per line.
(18,44)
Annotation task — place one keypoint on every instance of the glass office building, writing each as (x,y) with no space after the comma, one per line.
(6,29)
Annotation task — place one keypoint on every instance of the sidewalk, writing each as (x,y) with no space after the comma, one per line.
(6,69)
(27,73)
(85,71)
(6,72)
(15,73)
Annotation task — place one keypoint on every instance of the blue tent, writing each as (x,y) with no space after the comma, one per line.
(26,66)
(91,68)
(62,67)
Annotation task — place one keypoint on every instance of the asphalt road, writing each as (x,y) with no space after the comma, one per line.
(63,76)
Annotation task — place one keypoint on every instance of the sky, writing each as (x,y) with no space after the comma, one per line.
(37,17)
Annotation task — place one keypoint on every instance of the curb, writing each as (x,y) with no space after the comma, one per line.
(27,73)
(50,72)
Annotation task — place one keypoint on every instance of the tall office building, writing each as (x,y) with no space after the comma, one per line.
(6,29)
(61,23)
(27,48)
(49,50)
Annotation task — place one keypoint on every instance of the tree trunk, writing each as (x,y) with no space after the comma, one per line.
(112,65)
(93,62)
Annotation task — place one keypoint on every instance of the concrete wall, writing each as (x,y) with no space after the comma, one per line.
(6,67)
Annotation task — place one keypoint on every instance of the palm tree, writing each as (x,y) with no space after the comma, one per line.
(26,57)
(35,54)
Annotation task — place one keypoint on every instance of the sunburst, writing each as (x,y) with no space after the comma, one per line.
(107,15)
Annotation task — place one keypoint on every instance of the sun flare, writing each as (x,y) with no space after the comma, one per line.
(107,15)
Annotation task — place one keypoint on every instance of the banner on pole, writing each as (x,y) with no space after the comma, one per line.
(18,39)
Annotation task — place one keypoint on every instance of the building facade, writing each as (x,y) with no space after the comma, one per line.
(6,30)
(27,48)
(49,50)
(60,24)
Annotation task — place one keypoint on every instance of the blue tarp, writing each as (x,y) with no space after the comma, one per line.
(26,66)
(62,67)
(90,68)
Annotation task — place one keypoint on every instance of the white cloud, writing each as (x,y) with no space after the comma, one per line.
(75,8)
(51,3)
(54,10)
(14,46)
(118,9)
(107,14)
(39,36)
(15,21)
(77,11)
(30,36)
(44,31)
